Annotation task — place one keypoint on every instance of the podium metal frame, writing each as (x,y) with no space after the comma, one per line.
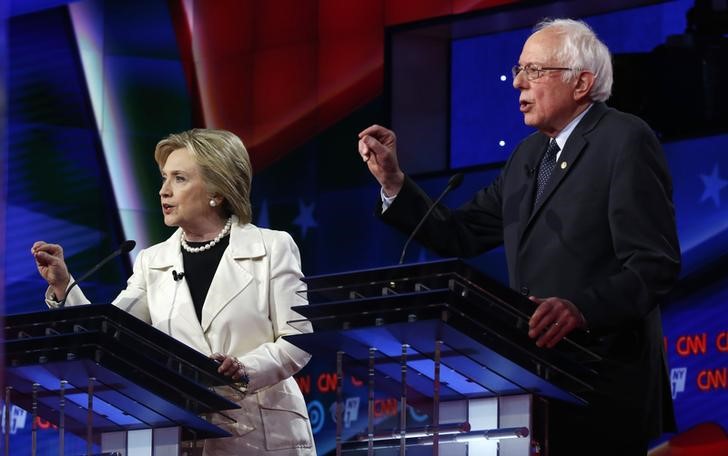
(444,333)
(102,374)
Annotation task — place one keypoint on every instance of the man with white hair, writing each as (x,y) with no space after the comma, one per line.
(583,207)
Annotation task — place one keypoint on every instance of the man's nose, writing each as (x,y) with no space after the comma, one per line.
(520,81)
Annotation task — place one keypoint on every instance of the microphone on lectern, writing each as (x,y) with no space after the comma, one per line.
(125,247)
(452,184)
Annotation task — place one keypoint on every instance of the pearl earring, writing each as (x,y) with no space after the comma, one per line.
(213,203)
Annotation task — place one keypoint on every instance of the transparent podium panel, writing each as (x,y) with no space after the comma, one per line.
(95,369)
(440,333)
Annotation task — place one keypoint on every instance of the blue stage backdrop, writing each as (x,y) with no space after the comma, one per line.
(92,85)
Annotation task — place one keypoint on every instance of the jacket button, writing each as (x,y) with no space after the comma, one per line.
(524,290)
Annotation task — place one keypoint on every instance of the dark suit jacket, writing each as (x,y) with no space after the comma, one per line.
(603,236)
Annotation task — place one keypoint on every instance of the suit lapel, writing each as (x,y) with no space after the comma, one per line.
(168,259)
(527,202)
(573,148)
(231,277)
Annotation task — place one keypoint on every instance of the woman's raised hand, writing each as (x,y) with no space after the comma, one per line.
(52,266)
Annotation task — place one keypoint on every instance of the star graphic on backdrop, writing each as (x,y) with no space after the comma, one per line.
(305,217)
(713,185)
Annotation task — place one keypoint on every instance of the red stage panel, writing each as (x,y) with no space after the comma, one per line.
(402,11)
(284,94)
(226,92)
(285,22)
(222,28)
(351,50)
(464,6)
(277,73)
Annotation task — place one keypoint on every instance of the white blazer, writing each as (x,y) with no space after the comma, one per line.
(245,312)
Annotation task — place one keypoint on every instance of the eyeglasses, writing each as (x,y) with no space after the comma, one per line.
(534,71)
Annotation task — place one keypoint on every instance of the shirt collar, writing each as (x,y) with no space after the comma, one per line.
(564,134)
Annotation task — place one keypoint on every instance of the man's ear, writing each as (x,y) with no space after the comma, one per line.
(584,83)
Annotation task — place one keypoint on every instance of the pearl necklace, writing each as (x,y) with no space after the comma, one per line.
(211,244)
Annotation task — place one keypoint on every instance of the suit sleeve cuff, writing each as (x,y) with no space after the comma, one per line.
(386,200)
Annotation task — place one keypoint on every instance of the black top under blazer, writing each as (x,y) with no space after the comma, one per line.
(603,236)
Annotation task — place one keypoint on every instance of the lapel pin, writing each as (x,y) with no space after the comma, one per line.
(564,165)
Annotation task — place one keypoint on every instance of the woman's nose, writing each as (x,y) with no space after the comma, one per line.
(164,189)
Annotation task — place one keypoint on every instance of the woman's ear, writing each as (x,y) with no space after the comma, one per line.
(216,200)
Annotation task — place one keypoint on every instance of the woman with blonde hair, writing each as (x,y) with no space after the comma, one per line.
(234,298)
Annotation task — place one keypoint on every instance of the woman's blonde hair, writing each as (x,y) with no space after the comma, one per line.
(223,161)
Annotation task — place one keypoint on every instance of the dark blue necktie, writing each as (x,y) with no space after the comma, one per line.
(545,168)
